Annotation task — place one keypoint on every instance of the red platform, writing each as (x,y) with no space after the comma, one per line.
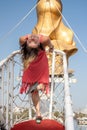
(44,125)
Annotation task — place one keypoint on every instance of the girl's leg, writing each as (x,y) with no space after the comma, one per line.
(36,102)
(44,89)
(41,87)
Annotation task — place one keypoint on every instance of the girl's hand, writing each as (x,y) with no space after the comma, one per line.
(51,47)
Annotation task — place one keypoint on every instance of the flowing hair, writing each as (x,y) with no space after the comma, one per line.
(29,54)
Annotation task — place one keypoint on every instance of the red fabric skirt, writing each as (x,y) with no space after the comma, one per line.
(38,71)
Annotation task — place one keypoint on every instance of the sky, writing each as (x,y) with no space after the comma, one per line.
(12,13)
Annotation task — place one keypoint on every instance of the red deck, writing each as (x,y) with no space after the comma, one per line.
(44,125)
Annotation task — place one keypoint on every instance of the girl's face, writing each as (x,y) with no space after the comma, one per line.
(33,41)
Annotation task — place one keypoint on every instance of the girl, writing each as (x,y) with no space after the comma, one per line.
(36,70)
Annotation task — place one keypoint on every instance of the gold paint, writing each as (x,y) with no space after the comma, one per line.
(49,22)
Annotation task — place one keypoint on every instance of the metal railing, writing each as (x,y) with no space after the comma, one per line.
(17,107)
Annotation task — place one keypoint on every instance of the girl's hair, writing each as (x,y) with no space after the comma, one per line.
(29,54)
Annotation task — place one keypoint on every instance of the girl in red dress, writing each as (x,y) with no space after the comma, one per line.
(36,70)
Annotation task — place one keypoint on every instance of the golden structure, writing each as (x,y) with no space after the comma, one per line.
(49,22)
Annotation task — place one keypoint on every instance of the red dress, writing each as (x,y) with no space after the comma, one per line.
(38,71)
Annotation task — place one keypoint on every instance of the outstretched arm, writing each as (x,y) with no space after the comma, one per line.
(23,39)
(45,40)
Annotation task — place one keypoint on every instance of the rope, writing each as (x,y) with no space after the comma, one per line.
(6,35)
(84,49)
